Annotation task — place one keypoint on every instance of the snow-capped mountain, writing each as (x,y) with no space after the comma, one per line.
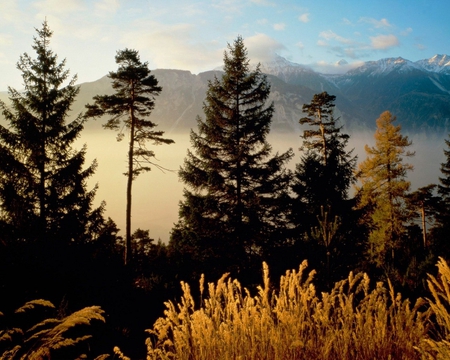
(417,93)
(437,64)
(386,66)
(283,68)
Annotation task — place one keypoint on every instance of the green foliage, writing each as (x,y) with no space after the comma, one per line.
(42,181)
(129,108)
(235,203)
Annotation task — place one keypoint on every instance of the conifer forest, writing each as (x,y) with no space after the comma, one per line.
(336,258)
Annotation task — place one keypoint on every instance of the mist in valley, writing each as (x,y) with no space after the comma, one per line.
(156,194)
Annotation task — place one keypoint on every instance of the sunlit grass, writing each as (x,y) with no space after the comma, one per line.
(355,320)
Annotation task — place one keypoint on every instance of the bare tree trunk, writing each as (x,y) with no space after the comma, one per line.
(424,226)
(127,257)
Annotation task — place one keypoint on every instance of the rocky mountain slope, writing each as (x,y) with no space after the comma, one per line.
(418,93)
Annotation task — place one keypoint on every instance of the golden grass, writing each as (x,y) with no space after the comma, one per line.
(437,346)
(352,321)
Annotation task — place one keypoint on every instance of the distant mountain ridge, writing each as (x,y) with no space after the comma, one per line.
(417,93)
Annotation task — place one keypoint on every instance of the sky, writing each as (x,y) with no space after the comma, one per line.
(192,35)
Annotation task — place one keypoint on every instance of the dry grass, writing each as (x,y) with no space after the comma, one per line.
(353,321)
(437,346)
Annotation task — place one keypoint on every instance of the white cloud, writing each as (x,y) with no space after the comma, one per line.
(58,6)
(263,2)
(229,6)
(330,35)
(279,27)
(383,42)
(172,46)
(421,46)
(262,48)
(6,39)
(300,45)
(304,18)
(107,6)
(407,31)
(383,23)
(347,21)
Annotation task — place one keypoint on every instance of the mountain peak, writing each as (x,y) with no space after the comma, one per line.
(386,66)
(438,63)
(282,68)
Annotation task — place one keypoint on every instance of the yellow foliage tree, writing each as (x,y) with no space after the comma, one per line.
(384,188)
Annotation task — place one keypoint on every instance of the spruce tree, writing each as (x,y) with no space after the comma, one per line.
(130,108)
(43,190)
(384,189)
(236,195)
(325,173)
(321,185)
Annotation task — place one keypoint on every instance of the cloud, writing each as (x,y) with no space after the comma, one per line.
(263,2)
(300,45)
(335,68)
(173,46)
(279,27)
(6,39)
(330,35)
(262,48)
(347,21)
(262,21)
(107,6)
(304,18)
(229,6)
(383,23)
(406,32)
(384,42)
(421,46)
(59,7)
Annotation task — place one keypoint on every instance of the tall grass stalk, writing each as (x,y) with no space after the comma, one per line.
(437,346)
(352,321)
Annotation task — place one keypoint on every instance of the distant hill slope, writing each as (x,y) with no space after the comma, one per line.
(418,93)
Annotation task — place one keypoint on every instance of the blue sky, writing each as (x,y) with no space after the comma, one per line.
(192,35)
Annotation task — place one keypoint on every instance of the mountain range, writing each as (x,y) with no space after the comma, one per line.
(417,93)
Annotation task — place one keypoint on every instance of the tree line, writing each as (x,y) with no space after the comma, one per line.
(241,204)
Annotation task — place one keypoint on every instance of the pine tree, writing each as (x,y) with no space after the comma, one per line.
(235,203)
(43,191)
(130,108)
(321,185)
(325,173)
(384,189)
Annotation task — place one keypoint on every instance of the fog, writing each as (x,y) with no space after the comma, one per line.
(156,194)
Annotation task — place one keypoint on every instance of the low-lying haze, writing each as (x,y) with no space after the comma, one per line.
(156,195)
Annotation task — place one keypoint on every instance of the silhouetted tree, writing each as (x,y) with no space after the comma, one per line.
(321,185)
(43,190)
(130,108)
(235,204)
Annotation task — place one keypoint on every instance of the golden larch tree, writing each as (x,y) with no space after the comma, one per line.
(383,189)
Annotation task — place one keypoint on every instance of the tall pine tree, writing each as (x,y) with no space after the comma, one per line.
(384,189)
(235,202)
(43,190)
(130,108)
(321,185)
